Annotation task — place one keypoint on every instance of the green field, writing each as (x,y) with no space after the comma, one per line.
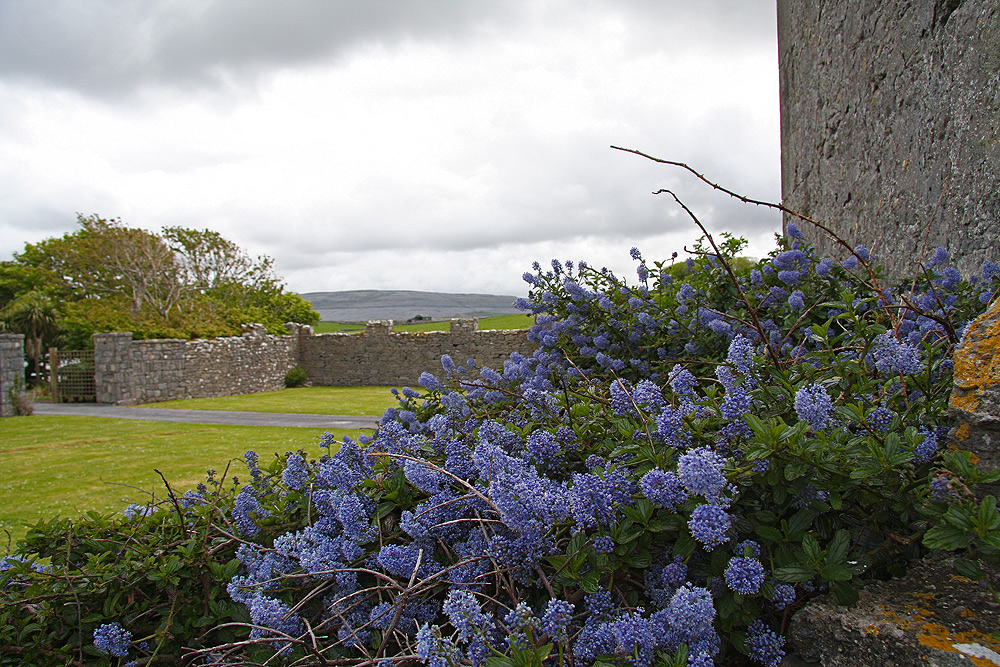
(59,465)
(302,400)
(485,324)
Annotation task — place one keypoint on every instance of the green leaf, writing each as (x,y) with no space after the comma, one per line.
(660,526)
(800,522)
(836,502)
(761,429)
(629,534)
(576,543)
(641,560)
(835,572)
(988,517)
(794,573)
(591,581)
(770,533)
(969,569)
(843,593)
(959,517)
(685,545)
(795,469)
(726,606)
(499,661)
(541,653)
(836,550)
(811,547)
(947,538)
(992,538)
(866,469)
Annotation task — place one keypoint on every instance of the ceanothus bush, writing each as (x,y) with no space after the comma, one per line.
(683,461)
(680,464)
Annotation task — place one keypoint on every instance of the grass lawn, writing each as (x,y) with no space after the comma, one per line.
(57,465)
(485,324)
(301,400)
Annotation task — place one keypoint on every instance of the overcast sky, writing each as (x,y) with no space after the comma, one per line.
(434,145)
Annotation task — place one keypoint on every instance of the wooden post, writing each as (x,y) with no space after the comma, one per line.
(54,373)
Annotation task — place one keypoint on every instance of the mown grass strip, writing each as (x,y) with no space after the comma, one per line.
(56,465)
(301,400)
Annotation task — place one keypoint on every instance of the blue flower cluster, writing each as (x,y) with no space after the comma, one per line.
(646,458)
(814,405)
(764,645)
(112,639)
(744,575)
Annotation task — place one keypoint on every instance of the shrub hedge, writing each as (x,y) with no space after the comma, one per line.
(685,460)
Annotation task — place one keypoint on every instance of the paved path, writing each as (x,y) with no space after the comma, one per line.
(207,416)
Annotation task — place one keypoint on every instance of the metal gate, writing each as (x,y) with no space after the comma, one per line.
(71,375)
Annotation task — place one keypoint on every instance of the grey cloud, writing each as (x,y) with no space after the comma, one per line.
(112,46)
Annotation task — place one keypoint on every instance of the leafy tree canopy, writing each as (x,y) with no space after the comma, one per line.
(181,283)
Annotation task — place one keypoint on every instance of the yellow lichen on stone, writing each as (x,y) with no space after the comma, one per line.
(977,359)
(968,402)
(962,432)
(934,635)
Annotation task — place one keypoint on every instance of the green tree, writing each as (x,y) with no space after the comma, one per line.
(184,283)
(35,315)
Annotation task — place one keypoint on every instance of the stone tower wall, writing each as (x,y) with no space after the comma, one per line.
(890,125)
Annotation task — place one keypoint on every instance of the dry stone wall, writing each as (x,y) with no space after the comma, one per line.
(251,363)
(145,371)
(380,356)
(889,130)
(130,371)
(11,371)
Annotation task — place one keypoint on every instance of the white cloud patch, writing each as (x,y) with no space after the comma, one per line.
(433,148)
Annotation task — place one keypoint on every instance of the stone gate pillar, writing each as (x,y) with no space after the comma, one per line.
(11,372)
(113,374)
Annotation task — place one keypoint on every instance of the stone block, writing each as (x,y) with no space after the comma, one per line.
(933,616)
(975,401)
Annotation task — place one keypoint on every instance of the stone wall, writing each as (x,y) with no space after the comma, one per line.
(380,356)
(130,371)
(11,371)
(889,130)
(251,363)
(145,371)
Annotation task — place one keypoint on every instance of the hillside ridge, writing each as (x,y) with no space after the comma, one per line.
(400,305)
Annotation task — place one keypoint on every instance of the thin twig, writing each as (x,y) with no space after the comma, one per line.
(875,284)
(732,277)
(177,505)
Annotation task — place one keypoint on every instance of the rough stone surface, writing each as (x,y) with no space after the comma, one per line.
(380,356)
(11,371)
(889,130)
(975,401)
(932,617)
(146,371)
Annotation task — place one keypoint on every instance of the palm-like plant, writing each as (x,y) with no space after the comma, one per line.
(35,315)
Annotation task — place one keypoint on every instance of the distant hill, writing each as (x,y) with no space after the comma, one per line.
(401,305)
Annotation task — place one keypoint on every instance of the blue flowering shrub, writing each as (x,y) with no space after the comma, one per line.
(683,462)
(143,587)
(680,465)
